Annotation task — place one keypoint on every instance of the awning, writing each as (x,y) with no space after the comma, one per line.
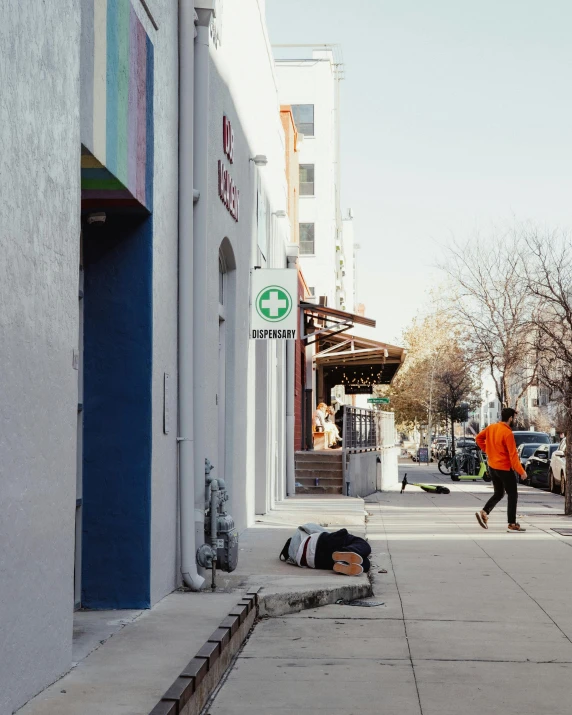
(350,360)
(321,321)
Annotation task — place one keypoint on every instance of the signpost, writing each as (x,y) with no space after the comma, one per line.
(378,400)
(274,304)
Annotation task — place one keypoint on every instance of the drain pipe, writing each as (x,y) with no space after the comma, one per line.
(292,251)
(205,11)
(191,577)
(214,529)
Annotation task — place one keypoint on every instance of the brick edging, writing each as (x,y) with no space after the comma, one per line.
(190,691)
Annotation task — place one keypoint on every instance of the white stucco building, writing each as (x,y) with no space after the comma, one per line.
(311,87)
(125,297)
(245,395)
(346,257)
(490,411)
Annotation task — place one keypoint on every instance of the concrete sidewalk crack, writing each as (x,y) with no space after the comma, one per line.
(402,610)
(525,592)
(302,656)
(463,530)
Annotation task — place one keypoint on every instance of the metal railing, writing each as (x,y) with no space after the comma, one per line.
(366,430)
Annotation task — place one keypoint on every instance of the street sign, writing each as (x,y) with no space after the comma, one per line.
(378,400)
(274,304)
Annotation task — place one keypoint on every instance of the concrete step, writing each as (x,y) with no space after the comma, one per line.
(319,490)
(324,458)
(320,467)
(319,473)
(322,481)
(318,464)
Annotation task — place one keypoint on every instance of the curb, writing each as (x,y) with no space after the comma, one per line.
(190,692)
(280,603)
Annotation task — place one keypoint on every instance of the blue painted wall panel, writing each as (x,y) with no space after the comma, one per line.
(117,413)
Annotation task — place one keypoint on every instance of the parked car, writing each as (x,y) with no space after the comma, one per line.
(538,466)
(557,471)
(531,437)
(438,444)
(525,451)
(464,442)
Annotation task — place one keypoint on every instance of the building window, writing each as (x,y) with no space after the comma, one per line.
(304,118)
(306,239)
(306,179)
(312,291)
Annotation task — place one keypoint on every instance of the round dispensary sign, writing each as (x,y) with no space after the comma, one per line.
(273,304)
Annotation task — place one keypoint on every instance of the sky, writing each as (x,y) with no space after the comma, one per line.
(456,119)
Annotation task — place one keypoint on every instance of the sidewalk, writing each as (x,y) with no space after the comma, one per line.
(129,659)
(474,621)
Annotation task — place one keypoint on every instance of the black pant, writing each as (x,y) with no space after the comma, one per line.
(340,540)
(503,481)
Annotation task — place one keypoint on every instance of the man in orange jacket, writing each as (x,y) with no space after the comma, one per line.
(498,442)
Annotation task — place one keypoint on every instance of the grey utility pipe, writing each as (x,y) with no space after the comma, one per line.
(292,258)
(214,529)
(204,10)
(191,577)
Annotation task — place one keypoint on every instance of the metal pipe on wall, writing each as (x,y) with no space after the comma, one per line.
(186,443)
(204,10)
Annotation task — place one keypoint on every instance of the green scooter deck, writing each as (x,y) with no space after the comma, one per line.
(432,488)
(472,477)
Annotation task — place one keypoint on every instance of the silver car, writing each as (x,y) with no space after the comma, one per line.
(557,471)
(525,451)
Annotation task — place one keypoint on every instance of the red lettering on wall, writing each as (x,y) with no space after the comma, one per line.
(227,139)
(227,191)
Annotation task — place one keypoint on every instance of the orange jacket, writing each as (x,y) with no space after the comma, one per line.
(498,442)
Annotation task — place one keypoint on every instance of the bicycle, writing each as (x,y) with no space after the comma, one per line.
(472,462)
(468,460)
(452,463)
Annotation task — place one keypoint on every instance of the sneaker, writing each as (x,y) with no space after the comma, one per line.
(348,569)
(515,527)
(348,557)
(482,518)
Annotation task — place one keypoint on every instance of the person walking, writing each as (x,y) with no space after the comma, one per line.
(497,441)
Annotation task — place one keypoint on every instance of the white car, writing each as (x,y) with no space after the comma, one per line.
(557,471)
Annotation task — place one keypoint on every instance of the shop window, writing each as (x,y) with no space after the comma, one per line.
(306,239)
(306,179)
(304,118)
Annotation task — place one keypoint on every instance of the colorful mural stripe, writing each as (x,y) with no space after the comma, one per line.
(121,137)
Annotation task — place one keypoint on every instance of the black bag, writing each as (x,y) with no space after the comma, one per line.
(284,553)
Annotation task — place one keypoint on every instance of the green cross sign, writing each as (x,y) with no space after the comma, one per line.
(273,304)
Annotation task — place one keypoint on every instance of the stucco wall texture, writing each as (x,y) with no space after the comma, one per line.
(242,87)
(39,257)
(165,575)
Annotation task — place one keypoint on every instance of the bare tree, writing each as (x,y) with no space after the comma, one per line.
(436,373)
(456,386)
(549,279)
(491,302)
(414,391)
